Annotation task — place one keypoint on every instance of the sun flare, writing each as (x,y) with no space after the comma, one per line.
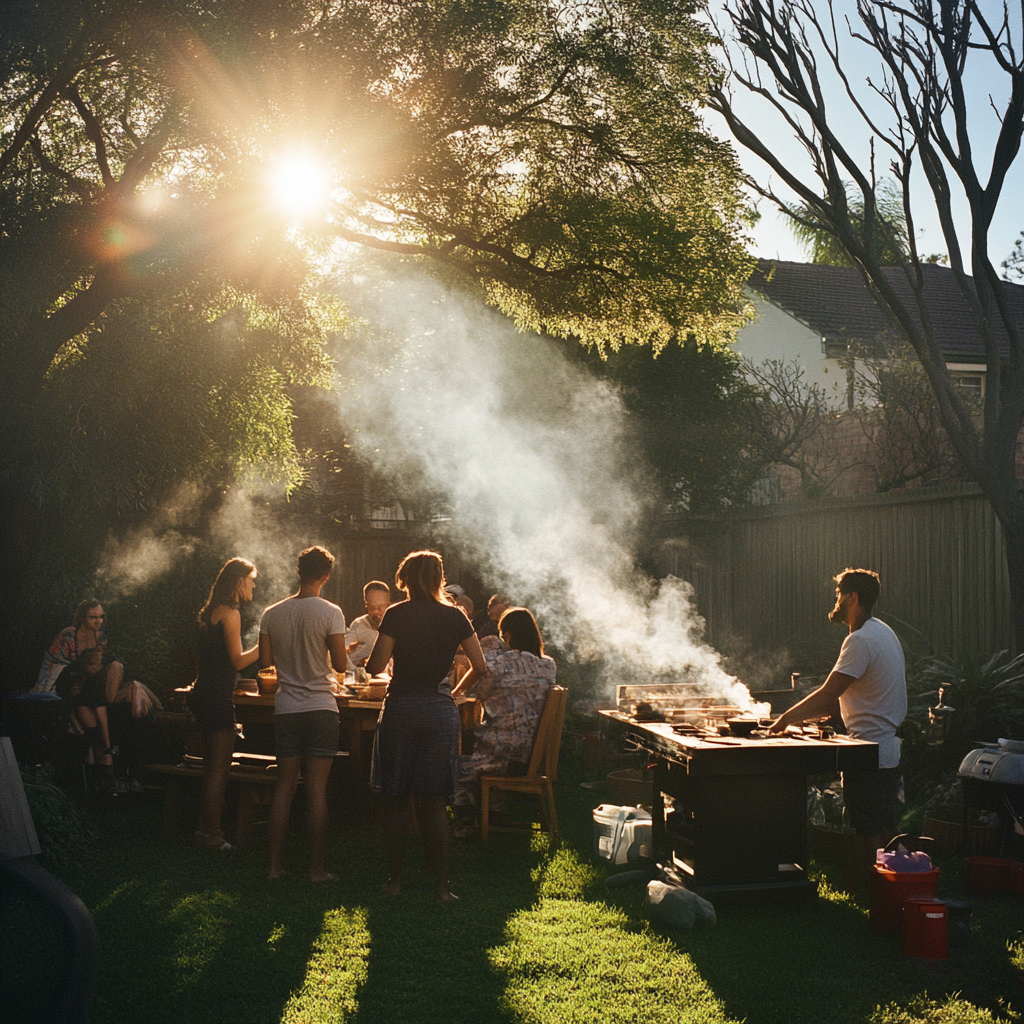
(299,185)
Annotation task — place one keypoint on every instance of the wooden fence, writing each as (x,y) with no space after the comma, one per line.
(366,554)
(765,575)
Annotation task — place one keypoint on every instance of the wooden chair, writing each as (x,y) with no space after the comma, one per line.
(541,774)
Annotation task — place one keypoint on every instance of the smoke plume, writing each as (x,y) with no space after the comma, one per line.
(532,453)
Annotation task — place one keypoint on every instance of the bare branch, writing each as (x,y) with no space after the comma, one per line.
(93,130)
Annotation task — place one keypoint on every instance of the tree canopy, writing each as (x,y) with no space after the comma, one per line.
(552,153)
(179,175)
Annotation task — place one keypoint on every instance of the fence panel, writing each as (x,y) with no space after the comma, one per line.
(765,574)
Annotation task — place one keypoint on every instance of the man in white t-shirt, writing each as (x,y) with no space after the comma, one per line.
(869,682)
(362,634)
(304,636)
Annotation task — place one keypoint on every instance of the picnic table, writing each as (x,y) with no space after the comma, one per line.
(357,722)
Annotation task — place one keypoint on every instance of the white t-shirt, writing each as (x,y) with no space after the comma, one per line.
(298,628)
(875,705)
(362,631)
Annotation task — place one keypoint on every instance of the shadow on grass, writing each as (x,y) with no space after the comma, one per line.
(819,962)
(430,962)
(189,935)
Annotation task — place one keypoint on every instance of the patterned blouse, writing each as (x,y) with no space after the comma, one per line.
(513,693)
(62,652)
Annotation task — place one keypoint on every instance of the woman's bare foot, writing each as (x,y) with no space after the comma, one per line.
(392,887)
(322,876)
(446,896)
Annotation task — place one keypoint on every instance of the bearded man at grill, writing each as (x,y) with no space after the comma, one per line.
(869,683)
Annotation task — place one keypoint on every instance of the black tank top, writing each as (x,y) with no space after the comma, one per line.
(216,673)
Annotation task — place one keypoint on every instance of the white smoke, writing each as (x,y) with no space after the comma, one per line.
(134,561)
(245,525)
(532,454)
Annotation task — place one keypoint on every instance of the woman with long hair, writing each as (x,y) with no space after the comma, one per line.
(221,658)
(416,747)
(85,633)
(63,670)
(519,676)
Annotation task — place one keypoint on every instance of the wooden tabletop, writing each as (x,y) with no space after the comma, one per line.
(261,700)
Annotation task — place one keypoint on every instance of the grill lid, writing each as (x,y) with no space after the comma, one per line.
(993,765)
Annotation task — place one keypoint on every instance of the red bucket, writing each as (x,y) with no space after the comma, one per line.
(925,924)
(988,876)
(890,890)
(1017,878)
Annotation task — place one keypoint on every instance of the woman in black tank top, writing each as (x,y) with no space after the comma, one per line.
(220,659)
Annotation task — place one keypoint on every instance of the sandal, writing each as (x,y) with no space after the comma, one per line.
(213,841)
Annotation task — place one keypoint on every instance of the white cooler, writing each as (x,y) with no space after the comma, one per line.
(621,834)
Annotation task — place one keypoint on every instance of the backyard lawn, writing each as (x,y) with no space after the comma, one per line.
(188,936)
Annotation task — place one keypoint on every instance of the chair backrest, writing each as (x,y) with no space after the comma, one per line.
(544,759)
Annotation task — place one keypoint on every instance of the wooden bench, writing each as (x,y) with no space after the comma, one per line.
(253,774)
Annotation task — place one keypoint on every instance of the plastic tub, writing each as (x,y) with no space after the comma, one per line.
(988,876)
(890,890)
(925,924)
(621,834)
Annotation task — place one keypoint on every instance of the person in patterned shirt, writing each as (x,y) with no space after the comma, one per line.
(513,693)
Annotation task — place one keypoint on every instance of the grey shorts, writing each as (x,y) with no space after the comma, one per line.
(306,734)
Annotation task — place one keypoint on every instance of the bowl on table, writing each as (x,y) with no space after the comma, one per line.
(268,681)
(372,691)
(743,727)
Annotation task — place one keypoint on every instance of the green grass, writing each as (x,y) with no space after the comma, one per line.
(188,936)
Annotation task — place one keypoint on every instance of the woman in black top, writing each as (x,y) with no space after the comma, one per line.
(416,748)
(220,659)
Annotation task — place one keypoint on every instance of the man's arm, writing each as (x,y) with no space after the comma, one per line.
(266,651)
(336,648)
(822,703)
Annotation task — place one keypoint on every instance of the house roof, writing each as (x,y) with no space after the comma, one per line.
(835,303)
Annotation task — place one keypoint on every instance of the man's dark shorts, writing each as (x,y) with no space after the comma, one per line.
(870,799)
(306,734)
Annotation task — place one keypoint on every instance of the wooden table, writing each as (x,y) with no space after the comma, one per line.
(355,718)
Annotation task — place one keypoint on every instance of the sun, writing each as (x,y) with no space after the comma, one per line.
(299,184)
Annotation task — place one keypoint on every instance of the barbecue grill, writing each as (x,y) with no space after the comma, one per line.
(994,781)
(729,814)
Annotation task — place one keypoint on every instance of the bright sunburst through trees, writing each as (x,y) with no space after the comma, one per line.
(176,173)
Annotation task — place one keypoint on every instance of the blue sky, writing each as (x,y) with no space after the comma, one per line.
(773,239)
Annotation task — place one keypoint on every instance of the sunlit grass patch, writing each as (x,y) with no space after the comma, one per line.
(568,961)
(923,1010)
(335,971)
(831,894)
(1015,947)
(202,926)
(564,876)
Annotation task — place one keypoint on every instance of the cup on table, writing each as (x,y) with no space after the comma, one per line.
(267,680)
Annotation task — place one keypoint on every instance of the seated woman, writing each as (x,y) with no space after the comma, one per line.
(513,694)
(82,687)
(84,634)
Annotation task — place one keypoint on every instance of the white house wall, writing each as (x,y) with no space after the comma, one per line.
(776,334)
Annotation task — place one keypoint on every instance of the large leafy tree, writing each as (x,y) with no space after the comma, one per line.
(551,152)
(918,113)
(159,301)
